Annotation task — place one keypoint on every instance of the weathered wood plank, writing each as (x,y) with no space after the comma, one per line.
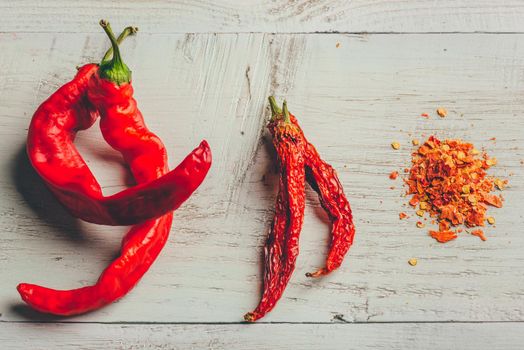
(281,16)
(352,102)
(428,336)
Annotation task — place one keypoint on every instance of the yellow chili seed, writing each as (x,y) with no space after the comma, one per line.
(491,161)
(491,220)
(415,142)
(420,212)
(412,262)
(442,112)
(395,145)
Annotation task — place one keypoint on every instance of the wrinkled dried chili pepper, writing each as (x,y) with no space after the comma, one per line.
(281,248)
(123,127)
(324,180)
(299,161)
(56,159)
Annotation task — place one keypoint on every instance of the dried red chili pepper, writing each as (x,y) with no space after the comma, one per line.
(148,161)
(324,180)
(54,156)
(281,249)
(299,160)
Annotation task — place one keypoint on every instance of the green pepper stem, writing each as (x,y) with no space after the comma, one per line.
(125,33)
(114,70)
(275,109)
(287,119)
(276,112)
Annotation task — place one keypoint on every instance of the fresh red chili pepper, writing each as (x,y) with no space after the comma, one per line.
(123,127)
(282,247)
(299,159)
(54,156)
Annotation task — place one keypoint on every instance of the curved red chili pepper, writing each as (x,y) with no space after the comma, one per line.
(324,180)
(56,159)
(142,245)
(282,246)
(121,127)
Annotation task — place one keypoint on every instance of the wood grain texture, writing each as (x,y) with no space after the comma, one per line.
(352,102)
(470,336)
(280,16)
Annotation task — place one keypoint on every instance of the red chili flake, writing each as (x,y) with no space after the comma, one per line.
(425,115)
(393,175)
(443,236)
(479,233)
(414,201)
(449,180)
(402,215)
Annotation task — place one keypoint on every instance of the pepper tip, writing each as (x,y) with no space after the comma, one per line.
(249,317)
(317,273)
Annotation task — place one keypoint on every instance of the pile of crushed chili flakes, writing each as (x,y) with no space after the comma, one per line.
(448,180)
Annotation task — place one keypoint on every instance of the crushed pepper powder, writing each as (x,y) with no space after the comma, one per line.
(393,175)
(448,180)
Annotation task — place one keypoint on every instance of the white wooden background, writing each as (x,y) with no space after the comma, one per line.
(203,69)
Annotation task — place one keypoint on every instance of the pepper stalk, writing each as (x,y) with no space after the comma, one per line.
(114,70)
(277,112)
(125,33)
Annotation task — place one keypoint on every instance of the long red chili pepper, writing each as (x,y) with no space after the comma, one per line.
(282,247)
(123,127)
(54,156)
(324,180)
(299,158)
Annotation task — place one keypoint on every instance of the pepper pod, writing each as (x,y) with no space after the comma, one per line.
(106,91)
(299,161)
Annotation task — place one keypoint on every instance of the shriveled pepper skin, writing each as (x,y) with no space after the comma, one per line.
(147,159)
(51,150)
(323,178)
(282,246)
(299,162)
